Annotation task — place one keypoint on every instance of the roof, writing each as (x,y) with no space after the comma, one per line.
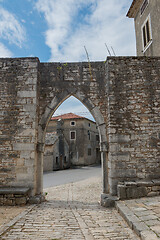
(67,116)
(134,8)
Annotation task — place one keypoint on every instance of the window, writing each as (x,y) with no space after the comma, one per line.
(72,123)
(56,160)
(146,34)
(144,5)
(97,138)
(89,135)
(89,152)
(72,135)
(89,124)
(65,159)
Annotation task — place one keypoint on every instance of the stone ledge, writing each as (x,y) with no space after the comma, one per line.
(138,189)
(14,190)
(12,196)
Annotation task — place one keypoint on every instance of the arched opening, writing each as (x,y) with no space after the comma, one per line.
(100,125)
(72,138)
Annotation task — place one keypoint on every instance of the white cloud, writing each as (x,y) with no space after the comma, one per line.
(4,52)
(105,22)
(10,29)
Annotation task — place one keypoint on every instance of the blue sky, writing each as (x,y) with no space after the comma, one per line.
(58,30)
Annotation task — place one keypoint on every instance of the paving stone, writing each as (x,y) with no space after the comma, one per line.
(148,235)
(72,212)
(149,217)
(156,229)
(146,210)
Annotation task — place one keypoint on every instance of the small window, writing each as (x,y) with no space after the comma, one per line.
(71,155)
(89,152)
(89,124)
(89,135)
(97,138)
(73,123)
(144,5)
(72,135)
(56,160)
(65,159)
(146,34)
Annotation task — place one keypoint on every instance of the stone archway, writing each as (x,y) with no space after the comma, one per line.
(125,109)
(50,109)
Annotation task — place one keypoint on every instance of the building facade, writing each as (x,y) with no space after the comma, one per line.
(146,14)
(56,154)
(77,142)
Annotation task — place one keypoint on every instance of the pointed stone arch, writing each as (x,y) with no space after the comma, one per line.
(49,110)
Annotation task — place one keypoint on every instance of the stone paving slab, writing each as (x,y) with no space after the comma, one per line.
(10,215)
(72,212)
(142,215)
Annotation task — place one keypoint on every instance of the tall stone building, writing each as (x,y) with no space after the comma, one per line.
(146,14)
(71,140)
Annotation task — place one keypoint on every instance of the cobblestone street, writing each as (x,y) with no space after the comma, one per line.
(72,211)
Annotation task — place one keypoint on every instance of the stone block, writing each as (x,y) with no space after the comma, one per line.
(136,192)
(153,194)
(98,116)
(36,199)
(155,188)
(8,202)
(115,138)
(21,201)
(108,201)
(144,183)
(148,235)
(27,94)
(23,146)
(156,182)
(121,192)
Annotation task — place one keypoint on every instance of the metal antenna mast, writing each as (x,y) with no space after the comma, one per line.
(108,50)
(113,51)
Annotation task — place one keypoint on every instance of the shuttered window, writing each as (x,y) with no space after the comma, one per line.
(146,34)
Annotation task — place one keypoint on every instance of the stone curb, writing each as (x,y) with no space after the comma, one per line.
(140,228)
(8,225)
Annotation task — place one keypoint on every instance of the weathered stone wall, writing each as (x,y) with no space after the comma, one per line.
(123,95)
(18,122)
(133,119)
(59,81)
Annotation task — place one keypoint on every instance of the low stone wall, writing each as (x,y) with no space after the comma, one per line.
(14,196)
(138,189)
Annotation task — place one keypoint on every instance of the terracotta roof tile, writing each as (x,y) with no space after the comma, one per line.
(67,116)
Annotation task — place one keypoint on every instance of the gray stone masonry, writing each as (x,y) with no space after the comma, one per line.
(122,94)
(138,189)
(13,196)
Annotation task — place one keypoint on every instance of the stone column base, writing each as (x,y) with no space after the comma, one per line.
(36,199)
(108,200)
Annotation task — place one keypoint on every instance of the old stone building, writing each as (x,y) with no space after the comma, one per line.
(56,154)
(146,14)
(77,142)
